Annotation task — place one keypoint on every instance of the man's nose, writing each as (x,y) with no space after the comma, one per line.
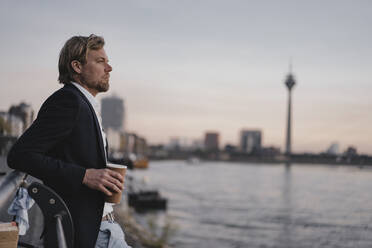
(108,68)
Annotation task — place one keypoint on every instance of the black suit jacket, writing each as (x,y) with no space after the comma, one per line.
(60,145)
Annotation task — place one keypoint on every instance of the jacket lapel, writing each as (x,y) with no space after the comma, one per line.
(98,130)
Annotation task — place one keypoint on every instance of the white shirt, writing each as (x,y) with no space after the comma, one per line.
(97,109)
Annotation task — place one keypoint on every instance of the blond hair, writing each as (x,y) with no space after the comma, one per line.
(76,48)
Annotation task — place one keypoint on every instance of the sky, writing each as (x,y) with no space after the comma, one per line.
(189,66)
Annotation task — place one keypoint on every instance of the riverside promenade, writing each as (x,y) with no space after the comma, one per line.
(136,236)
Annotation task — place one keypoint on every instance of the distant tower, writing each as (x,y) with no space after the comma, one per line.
(113,113)
(289,82)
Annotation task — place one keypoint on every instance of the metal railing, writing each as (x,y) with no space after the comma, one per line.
(9,184)
(58,225)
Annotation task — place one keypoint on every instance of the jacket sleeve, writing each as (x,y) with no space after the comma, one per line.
(55,122)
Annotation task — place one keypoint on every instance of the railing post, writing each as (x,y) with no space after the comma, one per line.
(60,233)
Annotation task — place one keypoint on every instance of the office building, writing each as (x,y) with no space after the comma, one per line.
(24,112)
(250,140)
(211,141)
(113,113)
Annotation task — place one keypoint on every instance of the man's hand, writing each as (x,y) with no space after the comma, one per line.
(104,180)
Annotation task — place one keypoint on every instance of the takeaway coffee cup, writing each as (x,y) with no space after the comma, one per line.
(115,197)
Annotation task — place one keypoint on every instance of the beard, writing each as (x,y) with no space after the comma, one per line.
(102,86)
(99,86)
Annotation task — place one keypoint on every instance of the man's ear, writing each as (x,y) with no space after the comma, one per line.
(76,66)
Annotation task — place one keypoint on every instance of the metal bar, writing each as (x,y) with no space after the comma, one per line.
(57,217)
(8,185)
(60,233)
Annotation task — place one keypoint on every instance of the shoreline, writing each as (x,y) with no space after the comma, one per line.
(262,161)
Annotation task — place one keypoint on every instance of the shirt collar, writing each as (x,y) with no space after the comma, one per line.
(93,101)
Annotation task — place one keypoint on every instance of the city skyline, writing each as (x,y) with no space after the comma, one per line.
(187,67)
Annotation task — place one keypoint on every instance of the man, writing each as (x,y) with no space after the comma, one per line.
(65,146)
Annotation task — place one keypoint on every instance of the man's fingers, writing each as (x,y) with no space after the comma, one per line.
(113,177)
(116,175)
(116,182)
(111,186)
(104,180)
(104,190)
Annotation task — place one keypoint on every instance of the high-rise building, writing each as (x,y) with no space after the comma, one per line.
(113,113)
(211,141)
(250,140)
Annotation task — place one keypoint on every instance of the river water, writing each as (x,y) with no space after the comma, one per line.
(223,204)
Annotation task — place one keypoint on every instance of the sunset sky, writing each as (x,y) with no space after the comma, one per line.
(188,66)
